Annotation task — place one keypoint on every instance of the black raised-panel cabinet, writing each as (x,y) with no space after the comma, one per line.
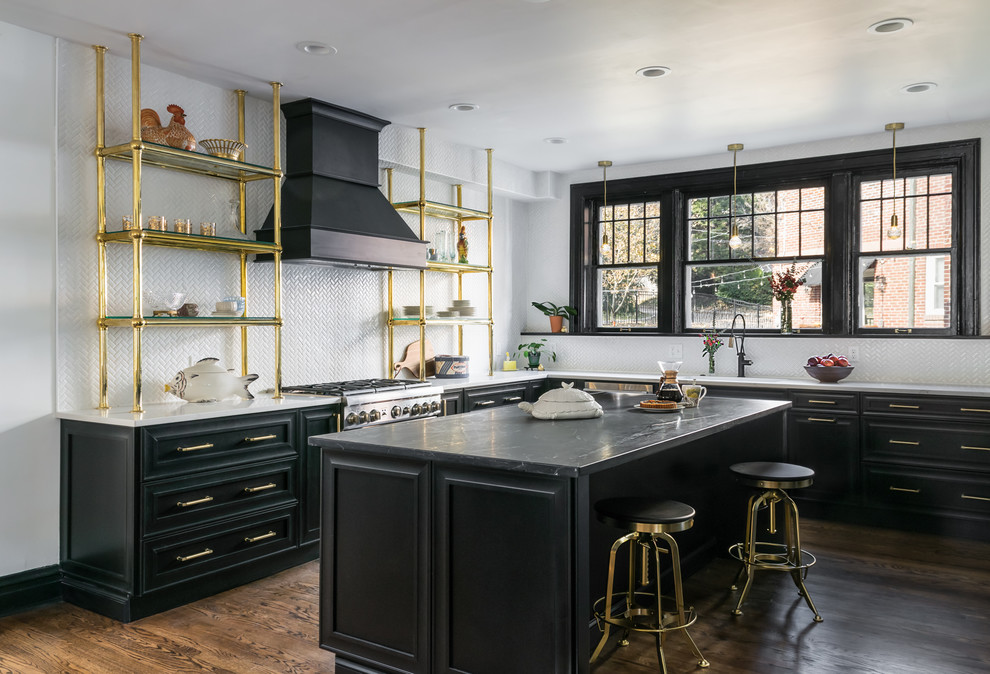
(153,517)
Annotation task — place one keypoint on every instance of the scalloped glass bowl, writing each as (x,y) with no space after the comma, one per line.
(828,374)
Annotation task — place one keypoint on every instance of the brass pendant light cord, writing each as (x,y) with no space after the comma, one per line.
(606,247)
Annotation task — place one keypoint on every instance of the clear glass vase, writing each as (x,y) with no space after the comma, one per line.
(786,317)
(711,363)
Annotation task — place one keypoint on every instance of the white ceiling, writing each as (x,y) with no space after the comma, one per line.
(759,72)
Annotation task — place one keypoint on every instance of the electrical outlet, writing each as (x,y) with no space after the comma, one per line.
(675,351)
(854,353)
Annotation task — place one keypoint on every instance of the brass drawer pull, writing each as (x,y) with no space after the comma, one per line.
(905,407)
(976,498)
(910,491)
(260,438)
(512,399)
(252,490)
(186,504)
(985,449)
(193,448)
(822,402)
(830,421)
(484,403)
(187,558)
(255,539)
(904,442)
(972,409)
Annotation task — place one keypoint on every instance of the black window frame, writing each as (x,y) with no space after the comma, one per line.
(840,174)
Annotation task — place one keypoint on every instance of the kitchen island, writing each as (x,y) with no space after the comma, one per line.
(468,543)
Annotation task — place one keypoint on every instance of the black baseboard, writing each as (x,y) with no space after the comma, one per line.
(30,589)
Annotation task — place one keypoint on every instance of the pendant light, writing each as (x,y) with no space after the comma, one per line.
(606,247)
(734,240)
(894,231)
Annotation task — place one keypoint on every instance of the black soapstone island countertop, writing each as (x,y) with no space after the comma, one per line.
(507,438)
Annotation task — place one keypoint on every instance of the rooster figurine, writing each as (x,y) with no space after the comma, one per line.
(174,135)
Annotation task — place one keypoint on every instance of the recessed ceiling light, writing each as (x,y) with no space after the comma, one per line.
(890,26)
(653,71)
(919,87)
(316,48)
(555,140)
(463,107)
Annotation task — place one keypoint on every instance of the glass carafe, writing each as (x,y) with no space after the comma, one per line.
(669,388)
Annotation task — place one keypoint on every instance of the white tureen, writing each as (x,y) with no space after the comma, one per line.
(566,402)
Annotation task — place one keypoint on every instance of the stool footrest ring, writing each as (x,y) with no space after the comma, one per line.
(772,556)
(641,618)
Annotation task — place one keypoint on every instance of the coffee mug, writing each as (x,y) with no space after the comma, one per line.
(693,394)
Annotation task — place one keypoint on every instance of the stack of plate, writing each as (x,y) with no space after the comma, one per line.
(463,307)
(446,314)
(412,310)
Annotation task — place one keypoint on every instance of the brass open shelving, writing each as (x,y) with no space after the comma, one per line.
(456,214)
(141,153)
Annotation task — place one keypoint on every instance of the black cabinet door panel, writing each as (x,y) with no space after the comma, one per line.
(516,565)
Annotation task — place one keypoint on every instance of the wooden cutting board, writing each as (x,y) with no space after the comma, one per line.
(415,353)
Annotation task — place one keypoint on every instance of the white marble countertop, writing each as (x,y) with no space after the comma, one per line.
(163,413)
(166,413)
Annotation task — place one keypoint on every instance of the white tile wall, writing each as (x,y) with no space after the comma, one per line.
(541,267)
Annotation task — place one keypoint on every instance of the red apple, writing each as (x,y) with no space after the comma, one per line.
(827,362)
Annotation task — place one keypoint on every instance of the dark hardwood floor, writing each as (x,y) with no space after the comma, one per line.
(893,603)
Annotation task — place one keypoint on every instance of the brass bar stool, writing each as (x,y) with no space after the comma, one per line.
(649,522)
(773,478)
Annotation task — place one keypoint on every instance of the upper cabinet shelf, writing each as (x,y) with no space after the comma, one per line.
(190,162)
(445,211)
(188,241)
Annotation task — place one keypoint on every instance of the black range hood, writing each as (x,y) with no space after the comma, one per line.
(332,209)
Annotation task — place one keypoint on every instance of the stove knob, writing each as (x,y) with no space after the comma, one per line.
(351,419)
(374,415)
(363,417)
(396,412)
(405,410)
(434,407)
(416,409)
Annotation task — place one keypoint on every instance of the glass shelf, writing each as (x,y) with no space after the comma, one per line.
(407,320)
(456,268)
(189,241)
(438,210)
(187,321)
(191,162)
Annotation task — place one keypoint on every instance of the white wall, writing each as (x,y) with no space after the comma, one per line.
(541,265)
(29,464)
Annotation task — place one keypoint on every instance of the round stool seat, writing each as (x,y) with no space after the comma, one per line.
(773,475)
(645,514)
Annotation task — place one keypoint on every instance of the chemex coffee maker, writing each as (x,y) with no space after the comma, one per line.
(669,388)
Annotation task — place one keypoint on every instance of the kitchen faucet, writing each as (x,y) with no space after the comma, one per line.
(741,346)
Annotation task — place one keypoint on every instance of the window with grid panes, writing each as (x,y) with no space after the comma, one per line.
(627,268)
(827,215)
(905,275)
(778,228)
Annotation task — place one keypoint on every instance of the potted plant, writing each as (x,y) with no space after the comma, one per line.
(556,314)
(533,350)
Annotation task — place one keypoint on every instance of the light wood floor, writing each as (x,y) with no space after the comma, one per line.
(893,603)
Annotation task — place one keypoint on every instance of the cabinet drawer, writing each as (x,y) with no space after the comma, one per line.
(834,402)
(927,490)
(485,398)
(172,450)
(927,443)
(201,499)
(977,409)
(184,556)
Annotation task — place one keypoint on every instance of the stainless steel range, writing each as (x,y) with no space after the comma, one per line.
(371,402)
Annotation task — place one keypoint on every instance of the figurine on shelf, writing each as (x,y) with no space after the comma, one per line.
(462,246)
(174,135)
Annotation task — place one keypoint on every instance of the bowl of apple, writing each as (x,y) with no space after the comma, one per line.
(828,369)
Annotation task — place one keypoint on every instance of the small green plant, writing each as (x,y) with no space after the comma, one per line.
(551,309)
(536,348)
